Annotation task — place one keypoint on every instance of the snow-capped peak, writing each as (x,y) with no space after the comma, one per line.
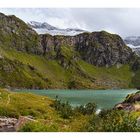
(44,25)
(134,43)
(133,40)
(43,28)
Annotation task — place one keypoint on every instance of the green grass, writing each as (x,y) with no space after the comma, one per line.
(18,75)
(122,76)
(50,69)
(136,79)
(51,74)
(47,118)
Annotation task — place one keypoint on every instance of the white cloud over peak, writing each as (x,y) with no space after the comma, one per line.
(123,21)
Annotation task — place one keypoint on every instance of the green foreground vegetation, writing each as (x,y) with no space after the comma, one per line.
(56,116)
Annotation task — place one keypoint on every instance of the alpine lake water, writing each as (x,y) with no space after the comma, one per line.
(105,99)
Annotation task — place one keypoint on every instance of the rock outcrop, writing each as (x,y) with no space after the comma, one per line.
(13,124)
(7,124)
(97,48)
(131,103)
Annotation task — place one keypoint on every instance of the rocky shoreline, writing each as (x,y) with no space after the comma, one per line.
(131,103)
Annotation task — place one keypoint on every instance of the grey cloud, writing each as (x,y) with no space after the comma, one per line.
(122,21)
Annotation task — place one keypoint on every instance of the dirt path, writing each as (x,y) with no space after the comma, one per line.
(8,100)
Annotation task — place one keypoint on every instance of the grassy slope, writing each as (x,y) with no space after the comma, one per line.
(49,69)
(83,74)
(122,76)
(136,79)
(14,105)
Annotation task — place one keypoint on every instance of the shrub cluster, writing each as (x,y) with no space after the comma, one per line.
(64,108)
(112,121)
(67,111)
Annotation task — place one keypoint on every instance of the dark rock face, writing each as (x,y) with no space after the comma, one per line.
(97,48)
(124,106)
(132,98)
(15,34)
(103,49)
(129,103)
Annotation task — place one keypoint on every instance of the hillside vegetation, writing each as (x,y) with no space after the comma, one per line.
(46,117)
(22,70)
(54,116)
(97,60)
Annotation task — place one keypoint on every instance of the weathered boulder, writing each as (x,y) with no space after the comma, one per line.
(13,124)
(7,124)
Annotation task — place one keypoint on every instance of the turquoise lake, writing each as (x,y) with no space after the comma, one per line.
(104,99)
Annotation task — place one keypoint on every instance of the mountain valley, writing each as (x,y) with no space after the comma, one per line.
(97,60)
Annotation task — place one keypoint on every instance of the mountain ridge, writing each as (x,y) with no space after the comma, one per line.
(99,43)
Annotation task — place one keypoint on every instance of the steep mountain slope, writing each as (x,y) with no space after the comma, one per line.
(96,60)
(43,28)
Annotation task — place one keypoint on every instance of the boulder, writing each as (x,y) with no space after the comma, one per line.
(7,124)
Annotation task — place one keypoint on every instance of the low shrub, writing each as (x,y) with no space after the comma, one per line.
(38,127)
(87,109)
(65,109)
(112,121)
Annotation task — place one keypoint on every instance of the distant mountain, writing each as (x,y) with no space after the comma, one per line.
(134,43)
(133,40)
(43,28)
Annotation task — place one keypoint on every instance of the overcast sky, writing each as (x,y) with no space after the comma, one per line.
(125,22)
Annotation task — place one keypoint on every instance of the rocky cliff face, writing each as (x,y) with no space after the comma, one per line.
(15,34)
(97,48)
